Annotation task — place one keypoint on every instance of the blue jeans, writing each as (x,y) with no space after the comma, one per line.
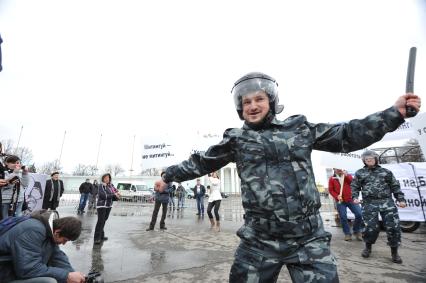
(171,201)
(83,201)
(181,201)
(356,210)
(200,204)
(5,209)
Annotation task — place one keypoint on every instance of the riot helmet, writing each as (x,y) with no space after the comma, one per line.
(253,82)
(370,153)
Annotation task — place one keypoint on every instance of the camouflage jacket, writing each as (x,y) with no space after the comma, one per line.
(376,183)
(274,162)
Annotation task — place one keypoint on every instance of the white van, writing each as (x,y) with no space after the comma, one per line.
(135,191)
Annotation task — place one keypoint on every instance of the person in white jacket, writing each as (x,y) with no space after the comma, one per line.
(215,198)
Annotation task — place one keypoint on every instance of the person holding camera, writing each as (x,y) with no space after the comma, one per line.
(29,249)
(16,179)
(107,194)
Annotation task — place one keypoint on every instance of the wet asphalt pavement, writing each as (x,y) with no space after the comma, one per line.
(188,251)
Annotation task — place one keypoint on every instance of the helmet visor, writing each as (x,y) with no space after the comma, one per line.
(252,85)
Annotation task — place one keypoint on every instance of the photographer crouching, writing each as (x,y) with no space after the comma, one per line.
(29,249)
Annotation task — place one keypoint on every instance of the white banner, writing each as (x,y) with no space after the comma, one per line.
(410,176)
(405,131)
(35,191)
(160,152)
(163,151)
(347,161)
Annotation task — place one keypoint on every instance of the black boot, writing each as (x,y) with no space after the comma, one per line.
(367,251)
(395,256)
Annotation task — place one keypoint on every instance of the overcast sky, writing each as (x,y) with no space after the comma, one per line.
(149,68)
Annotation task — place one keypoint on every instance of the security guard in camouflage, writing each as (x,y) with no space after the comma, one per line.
(377,184)
(281,202)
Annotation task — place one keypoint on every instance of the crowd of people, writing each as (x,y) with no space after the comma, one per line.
(283,225)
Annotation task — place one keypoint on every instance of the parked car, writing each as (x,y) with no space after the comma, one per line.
(135,191)
(189,193)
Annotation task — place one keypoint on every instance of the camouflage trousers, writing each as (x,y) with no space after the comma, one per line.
(259,257)
(390,217)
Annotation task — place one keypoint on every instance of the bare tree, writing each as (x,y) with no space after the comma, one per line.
(80,170)
(49,167)
(85,170)
(114,169)
(32,168)
(92,170)
(413,153)
(24,153)
(8,147)
(151,172)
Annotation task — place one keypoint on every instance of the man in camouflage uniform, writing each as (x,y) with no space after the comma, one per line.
(281,202)
(377,185)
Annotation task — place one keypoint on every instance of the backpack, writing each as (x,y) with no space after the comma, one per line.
(8,223)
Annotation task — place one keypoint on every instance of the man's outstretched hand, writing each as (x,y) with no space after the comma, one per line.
(408,99)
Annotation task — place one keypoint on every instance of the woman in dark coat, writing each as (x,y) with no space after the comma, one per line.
(106,195)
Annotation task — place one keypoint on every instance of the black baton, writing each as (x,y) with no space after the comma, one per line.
(409,86)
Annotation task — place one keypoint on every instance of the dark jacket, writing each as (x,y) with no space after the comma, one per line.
(376,184)
(180,191)
(202,191)
(51,191)
(163,197)
(85,188)
(106,196)
(94,189)
(35,254)
(278,188)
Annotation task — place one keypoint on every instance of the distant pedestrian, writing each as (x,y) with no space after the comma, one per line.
(172,196)
(339,187)
(106,197)
(199,193)
(53,192)
(93,195)
(180,194)
(85,190)
(215,199)
(161,199)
